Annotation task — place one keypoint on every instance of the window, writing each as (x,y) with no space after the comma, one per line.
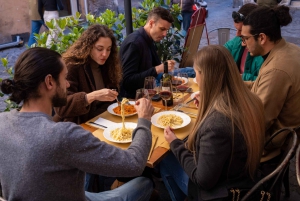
(70,8)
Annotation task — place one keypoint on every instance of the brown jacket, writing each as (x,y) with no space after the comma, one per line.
(278,86)
(82,82)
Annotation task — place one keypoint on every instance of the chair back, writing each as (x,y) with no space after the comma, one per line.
(223,34)
(298,165)
(297,129)
(198,17)
(271,184)
(193,37)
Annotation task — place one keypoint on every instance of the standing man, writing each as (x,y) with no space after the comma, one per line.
(36,21)
(138,52)
(248,65)
(186,12)
(45,160)
(48,10)
(278,81)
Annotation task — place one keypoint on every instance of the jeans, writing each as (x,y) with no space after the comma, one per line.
(174,177)
(35,29)
(186,20)
(137,189)
(48,16)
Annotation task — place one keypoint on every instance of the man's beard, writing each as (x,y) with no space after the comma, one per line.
(59,99)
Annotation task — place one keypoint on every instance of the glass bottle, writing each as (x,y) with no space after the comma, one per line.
(167,77)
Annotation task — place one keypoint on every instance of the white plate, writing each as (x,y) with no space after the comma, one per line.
(182,78)
(195,80)
(186,119)
(106,132)
(193,94)
(110,109)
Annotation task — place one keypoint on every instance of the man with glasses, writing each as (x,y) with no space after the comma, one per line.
(278,81)
(248,65)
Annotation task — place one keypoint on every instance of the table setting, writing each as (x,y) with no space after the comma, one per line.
(102,125)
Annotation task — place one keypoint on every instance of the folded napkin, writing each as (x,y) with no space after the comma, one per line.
(104,122)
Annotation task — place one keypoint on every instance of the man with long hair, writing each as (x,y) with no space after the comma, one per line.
(248,65)
(45,160)
(278,81)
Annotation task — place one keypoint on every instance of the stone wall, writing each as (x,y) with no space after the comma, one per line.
(14,19)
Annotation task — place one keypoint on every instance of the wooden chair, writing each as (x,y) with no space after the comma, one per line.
(271,184)
(193,37)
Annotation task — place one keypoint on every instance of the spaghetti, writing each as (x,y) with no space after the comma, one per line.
(122,134)
(171,120)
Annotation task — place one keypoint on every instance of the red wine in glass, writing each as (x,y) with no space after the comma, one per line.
(151,92)
(182,88)
(165,95)
(176,82)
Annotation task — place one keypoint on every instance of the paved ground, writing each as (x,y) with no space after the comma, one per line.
(219,16)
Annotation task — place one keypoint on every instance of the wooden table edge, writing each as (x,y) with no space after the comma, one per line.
(157,154)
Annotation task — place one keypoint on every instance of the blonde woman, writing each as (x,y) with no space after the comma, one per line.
(225,145)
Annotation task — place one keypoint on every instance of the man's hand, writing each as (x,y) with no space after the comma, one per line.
(160,68)
(144,108)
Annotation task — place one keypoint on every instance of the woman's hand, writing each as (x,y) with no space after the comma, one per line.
(197,99)
(169,134)
(102,95)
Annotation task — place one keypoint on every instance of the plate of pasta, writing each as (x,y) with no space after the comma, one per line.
(183,80)
(117,134)
(170,118)
(116,110)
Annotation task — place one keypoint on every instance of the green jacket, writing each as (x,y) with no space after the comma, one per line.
(252,65)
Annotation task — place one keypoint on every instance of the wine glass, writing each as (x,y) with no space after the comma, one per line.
(150,85)
(141,93)
(183,77)
(165,91)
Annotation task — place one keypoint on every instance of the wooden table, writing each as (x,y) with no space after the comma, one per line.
(162,148)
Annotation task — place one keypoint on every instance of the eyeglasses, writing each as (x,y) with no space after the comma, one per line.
(244,38)
(237,17)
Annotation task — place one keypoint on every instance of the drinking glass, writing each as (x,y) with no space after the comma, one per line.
(184,83)
(141,93)
(165,91)
(150,85)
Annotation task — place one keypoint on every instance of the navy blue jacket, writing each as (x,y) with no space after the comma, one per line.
(139,57)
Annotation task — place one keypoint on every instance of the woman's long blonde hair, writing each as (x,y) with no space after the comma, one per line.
(223,90)
(79,52)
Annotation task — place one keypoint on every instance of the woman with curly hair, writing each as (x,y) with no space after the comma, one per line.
(93,71)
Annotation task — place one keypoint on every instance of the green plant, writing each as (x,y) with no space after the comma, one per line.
(9,104)
(69,29)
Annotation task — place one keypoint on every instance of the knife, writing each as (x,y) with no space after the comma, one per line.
(97,124)
(190,101)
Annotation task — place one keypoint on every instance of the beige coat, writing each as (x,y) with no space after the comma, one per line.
(33,10)
(278,86)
